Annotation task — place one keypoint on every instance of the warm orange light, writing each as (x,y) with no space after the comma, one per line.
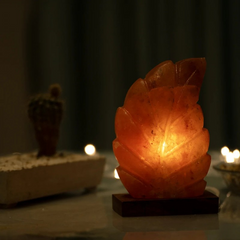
(161,145)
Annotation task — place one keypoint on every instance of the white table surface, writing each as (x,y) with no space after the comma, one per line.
(79,215)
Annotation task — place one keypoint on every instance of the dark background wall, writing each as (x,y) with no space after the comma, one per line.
(97,48)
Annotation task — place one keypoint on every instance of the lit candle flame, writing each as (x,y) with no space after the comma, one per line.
(224,151)
(90,149)
(116,174)
(230,157)
(236,153)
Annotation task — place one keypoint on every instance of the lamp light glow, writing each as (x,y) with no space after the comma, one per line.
(160,135)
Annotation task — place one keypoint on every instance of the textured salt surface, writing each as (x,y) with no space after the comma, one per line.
(19,161)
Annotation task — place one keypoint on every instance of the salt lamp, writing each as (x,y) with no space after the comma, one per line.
(161,145)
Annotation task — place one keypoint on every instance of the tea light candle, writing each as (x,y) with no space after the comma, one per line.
(230,157)
(90,149)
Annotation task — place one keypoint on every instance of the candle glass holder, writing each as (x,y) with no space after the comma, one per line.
(231,175)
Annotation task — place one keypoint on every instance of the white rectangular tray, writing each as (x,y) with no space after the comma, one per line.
(24,177)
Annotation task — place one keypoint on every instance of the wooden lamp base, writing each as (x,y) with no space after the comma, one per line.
(127,206)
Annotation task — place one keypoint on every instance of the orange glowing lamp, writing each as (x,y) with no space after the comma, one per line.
(161,145)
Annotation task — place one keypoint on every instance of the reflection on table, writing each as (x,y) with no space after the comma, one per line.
(173,235)
(81,215)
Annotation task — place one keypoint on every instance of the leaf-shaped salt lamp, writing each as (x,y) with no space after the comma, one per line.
(161,145)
